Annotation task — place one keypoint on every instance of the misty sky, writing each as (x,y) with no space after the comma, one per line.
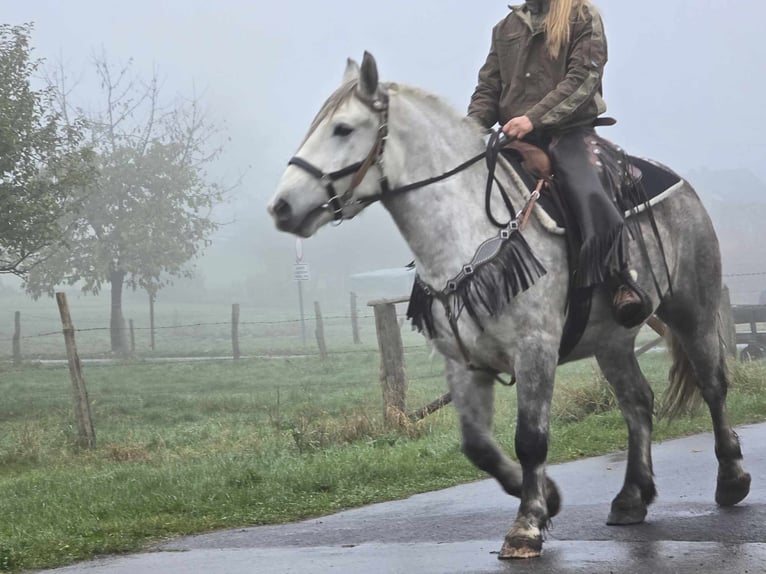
(684,77)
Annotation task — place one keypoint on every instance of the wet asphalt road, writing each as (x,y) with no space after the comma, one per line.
(459,530)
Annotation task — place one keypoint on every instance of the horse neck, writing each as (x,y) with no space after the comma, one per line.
(443,223)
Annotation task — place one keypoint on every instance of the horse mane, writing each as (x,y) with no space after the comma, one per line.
(438,105)
(346,91)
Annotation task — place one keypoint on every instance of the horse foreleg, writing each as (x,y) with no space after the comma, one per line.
(636,401)
(535,371)
(473,397)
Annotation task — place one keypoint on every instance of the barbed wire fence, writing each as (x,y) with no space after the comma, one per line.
(193,339)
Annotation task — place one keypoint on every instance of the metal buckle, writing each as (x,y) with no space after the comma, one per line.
(468,270)
(505,233)
(451,286)
(514,225)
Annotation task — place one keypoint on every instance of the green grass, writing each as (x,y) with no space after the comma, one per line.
(189,447)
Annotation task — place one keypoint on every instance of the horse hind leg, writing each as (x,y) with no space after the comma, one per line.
(699,366)
(636,400)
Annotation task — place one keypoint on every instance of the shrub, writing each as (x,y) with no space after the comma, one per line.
(574,402)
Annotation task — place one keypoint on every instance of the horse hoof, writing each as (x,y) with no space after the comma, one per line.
(552,498)
(730,491)
(520,548)
(624,515)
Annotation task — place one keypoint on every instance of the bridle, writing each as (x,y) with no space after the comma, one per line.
(380,105)
(359,169)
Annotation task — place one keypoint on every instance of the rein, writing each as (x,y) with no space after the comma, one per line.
(359,170)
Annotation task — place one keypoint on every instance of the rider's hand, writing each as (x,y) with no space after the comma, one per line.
(518,127)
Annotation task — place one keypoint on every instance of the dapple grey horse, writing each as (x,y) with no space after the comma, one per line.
(370,142)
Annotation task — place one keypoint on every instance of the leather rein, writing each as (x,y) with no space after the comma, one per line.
(380,105)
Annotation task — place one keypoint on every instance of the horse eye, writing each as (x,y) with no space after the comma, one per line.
(343,130)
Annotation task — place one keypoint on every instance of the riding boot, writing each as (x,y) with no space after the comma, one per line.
(630,303)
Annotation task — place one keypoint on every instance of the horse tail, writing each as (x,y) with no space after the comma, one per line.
(682,394)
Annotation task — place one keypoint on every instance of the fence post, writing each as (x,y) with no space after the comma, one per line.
(17,339)
(320,331)
(86,434)
(354,320)
(235,331)
(728,327)
(392,373)
(132,338)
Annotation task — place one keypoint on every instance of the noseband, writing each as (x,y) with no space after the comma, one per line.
(359,169)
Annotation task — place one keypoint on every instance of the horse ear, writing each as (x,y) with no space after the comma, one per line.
(368,76)
(352,71)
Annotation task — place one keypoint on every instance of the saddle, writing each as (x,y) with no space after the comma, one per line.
(536,160)
(630,181)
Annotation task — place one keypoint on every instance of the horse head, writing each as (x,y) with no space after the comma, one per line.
(337,171)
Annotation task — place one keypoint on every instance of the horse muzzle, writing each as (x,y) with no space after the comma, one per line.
(282,213)
(290,219)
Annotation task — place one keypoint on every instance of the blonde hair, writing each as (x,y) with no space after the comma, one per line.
(557,25)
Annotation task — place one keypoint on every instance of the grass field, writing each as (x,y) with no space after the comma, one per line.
(190,447)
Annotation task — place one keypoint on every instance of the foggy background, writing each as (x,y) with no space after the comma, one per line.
(684,80)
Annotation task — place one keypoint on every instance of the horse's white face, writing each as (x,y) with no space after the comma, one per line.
(340,139)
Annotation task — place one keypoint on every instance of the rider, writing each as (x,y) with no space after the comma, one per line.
(542,83)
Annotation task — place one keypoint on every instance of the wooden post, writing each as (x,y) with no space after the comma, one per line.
(17,339)
(728,327)
(86,434)
(649,346)
(320,331)
(235,331)
(431,407)
(151,319)
(656,325)
(355,320)
(132,338)
(392,373)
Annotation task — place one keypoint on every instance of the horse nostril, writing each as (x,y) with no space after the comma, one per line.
(282,210)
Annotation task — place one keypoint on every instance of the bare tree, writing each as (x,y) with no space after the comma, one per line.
(149,211)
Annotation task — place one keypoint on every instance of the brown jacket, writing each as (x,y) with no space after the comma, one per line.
(520,77)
